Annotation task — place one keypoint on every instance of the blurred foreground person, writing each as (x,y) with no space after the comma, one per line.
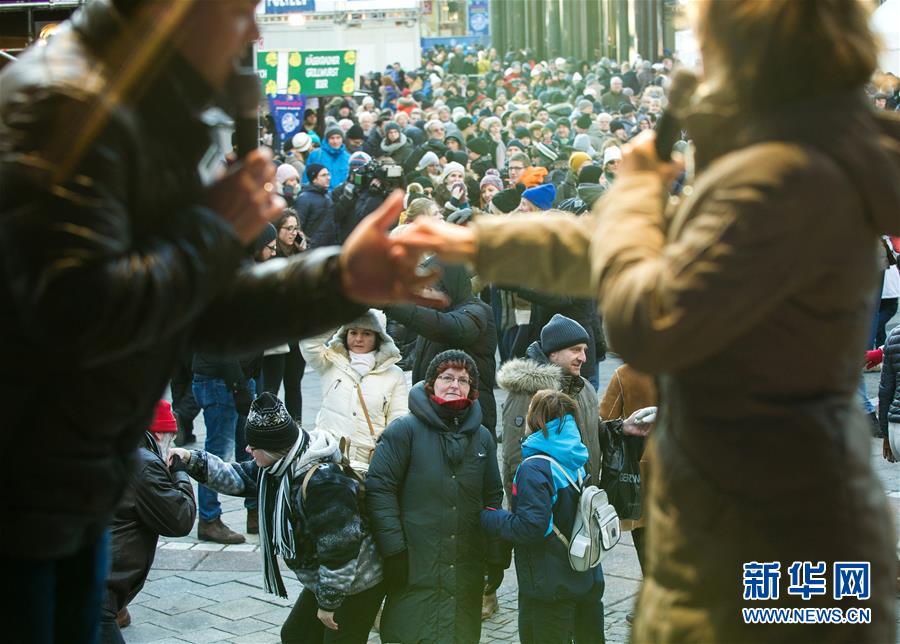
(754,468)
(116,260)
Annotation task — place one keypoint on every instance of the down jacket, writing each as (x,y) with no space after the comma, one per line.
(889,386)
(335,554)
(431,476)
(522,378)
(384,388)
(156,503)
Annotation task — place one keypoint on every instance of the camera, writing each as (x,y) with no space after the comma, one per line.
(378,177)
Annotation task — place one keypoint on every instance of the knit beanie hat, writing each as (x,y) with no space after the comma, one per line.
(590,174)
(358,159)
(447,360)
(612,153)
(459,157)
(163,420)
(334,129)
(577,159)
(429,158)
(561,333)
(546,151)
(269,425)
(479,146)
(508,200)
(464,123)
(516,143)
(521,131)
(584,121)
(266,237)
(392,125)
(541,196)
(491,178)
(356,132)
(284,173)
(313,170)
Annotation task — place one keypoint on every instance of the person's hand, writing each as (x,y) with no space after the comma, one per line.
(181,453)
(887,452)
(327,618)
(396,570)
(242,399)
(455,244)
(458,190)
(493,578)
(640,422)
(874,358)
(245,197)
(176,464)
(639,155)
(377,269)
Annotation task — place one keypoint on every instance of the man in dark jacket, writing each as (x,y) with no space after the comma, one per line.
(158,501)
(117,260)
(315,209)
(467,325)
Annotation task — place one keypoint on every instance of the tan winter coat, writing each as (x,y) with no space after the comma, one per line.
(751,300)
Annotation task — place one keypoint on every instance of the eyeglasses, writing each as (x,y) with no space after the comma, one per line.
(273,248)
(449,380)
(517,167)
(290,229)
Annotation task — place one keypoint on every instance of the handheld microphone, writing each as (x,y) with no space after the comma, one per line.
(244,94)
(668,129)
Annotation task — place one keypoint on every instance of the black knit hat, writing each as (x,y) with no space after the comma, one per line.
(479,146)
(441,362)
(269,425)
(508,200)
(313,170)
(590,174)
(561,333)
(464,123)
(584,121)
(356,132)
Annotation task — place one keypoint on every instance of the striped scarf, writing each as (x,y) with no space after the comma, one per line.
(276,517)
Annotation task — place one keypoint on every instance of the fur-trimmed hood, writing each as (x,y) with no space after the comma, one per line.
(374,320)
(524,376)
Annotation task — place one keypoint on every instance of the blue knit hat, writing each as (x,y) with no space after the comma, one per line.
(561,333)
(541,196)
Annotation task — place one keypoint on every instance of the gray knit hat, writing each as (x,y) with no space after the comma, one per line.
(561,333)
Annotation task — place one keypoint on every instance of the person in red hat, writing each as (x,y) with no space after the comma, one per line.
(159,501)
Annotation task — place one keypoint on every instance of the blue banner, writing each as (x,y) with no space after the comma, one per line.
(479,18)
(287,112)
(290,6)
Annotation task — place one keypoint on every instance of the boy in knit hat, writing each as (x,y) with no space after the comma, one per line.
(538,198)
(309,514)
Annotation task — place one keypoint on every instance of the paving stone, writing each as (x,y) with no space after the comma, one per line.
(276,616)
(228,591)
(139,633)
(234,561)
(177,545)
(178,559)
(205,635)
(181,603)
(240,608)
(189,622)
(245,626)
(262,637)
(172,585)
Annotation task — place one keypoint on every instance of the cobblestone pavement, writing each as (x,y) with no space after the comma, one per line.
(204,592)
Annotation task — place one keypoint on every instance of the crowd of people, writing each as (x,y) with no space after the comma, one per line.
(394,498)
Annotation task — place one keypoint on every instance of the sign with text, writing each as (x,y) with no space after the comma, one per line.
(290,6)
(321,73)
(287,112)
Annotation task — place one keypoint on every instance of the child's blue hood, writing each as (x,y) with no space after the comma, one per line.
(563,444)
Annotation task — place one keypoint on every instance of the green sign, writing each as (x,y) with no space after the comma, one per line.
(321,73)
(267,68)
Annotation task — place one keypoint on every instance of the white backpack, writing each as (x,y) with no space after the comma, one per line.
(596,527)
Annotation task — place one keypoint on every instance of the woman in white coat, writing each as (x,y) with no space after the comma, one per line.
(363,389)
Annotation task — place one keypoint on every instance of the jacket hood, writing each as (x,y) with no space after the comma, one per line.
(590,192)
(374,320)
(864,144)
(563,444)
(534,352)
(421,406)
(522,376)
(455,281)
(322,448)
(334,152)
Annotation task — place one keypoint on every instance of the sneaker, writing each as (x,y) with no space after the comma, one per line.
(488,606)
(123,618)
(252,522)
(218,532)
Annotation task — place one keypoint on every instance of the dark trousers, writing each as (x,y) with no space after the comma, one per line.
(589,619)
(545,622)
(287,368)
(184,405)
(354,619)
(639,536)
(240,442)
(886,310)
(110,633)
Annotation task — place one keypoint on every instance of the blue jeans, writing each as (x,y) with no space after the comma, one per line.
(240,442)
(221,417)
(56,600)
(868,407)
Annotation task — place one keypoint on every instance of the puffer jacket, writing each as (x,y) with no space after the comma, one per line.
(524,377)
(112,272)
(335,553)
(431,476)
(315,216)
(336,160)
(468,325)
(889,385)
(384,388)
(156,503)
(542,498)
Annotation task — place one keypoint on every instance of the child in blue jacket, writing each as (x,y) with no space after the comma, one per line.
(542,497)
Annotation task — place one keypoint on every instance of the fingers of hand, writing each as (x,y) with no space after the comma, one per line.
(389,212)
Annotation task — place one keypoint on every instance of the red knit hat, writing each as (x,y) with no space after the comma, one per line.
(163,421)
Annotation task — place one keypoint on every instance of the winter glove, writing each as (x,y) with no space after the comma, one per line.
(177,464)
(460,217)
(242,399)
(874,358)
(396,570)
(494,577)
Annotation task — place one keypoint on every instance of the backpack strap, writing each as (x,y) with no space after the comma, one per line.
(578,486)
(306,478)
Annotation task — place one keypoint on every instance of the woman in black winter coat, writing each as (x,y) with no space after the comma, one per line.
(432,473)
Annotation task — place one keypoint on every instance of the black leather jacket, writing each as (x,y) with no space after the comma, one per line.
(110,272)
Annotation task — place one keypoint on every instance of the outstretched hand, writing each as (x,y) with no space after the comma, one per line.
(377,269)
(453,243)
(640,155)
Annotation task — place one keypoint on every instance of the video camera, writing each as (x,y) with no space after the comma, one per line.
(378,177)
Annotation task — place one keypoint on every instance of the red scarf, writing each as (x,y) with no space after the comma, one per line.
(456,405)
